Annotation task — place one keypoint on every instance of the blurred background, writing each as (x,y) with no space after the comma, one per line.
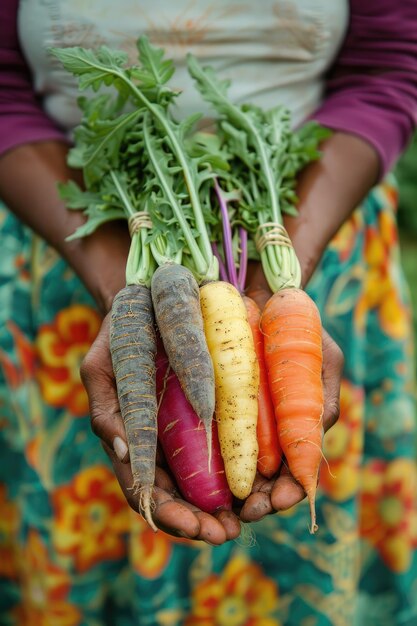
(407,218)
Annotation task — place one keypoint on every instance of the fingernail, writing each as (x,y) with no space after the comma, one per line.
(120,448)
(181,533)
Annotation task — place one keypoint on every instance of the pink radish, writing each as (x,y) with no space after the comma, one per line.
(183,440)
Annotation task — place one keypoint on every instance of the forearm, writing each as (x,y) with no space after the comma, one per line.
(329,190)
(28,186)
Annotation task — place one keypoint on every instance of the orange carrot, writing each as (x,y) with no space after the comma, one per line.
(269,455)
(291,326)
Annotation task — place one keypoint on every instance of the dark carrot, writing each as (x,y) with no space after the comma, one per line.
(269,454)
(133,349)
(291,326)
(176,301)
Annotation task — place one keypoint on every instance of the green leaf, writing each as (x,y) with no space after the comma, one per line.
(93,68)
(247,118)
(209,151)
(75,197)
(163,181)
(186,125)
(155,70)
(212,89)
(94,220)
(102,139)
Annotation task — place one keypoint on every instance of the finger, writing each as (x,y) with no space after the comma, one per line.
(256,507)
(333,362)
(230,523)
(174,517)
(169,515)
(258,503)
(262,484)
(97,375)
(211,529)
(286,491)
(214,529)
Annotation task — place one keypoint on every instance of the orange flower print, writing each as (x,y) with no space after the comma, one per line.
(9,522)
(91,517)
(380,290)
(45,588)
(340,476)
(61,347)
(240,596)
(388,510)
(344,241)
(21,371)
(21,264)
(149,551)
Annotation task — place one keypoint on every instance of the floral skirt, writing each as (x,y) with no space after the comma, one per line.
(73,554)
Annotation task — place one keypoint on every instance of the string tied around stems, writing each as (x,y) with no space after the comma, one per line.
(275,234)
(275,245)
(139,220)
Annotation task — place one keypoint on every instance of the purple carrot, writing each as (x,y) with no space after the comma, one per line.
(222,267)
(227,237)
(184,444)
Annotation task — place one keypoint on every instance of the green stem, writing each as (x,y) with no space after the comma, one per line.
(204,240)
(162,255)
(128,207)
(139,261)
(116,129)
(244,122)
(200,263)
(179,153)
(261,220)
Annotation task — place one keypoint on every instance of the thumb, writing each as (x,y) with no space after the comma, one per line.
(98,378)
(333,362)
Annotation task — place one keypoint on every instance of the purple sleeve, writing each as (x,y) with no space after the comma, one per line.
(372,88)
(22,119)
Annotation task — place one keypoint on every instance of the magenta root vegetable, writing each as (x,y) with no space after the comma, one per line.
(183,440)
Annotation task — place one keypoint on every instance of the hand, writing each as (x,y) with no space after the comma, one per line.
(171,514)
(283,492)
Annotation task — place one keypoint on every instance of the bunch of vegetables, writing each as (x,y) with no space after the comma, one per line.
(185,345)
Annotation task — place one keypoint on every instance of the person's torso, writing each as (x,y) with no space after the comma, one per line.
(275,51)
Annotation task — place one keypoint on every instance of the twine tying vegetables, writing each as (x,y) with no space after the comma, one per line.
(139,220)
(276,235)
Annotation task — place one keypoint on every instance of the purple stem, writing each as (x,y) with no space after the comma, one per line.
(222,267)
(243,260)
(227,237)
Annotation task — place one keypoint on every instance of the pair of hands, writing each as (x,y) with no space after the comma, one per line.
(173,514)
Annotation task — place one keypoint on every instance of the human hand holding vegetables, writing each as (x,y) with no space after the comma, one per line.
(28,176)
(171,513)
(251,135)
(318,189)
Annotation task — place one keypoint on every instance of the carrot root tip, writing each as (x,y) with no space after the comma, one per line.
(314,526)
(146,504)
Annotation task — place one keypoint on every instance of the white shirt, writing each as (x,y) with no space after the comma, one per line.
(274,51)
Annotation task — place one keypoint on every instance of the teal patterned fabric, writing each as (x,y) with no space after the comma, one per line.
(73,554)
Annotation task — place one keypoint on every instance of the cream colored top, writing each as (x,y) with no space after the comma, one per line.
(275,51)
